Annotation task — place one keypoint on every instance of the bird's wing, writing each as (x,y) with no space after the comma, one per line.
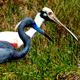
(5,44)
(5,54)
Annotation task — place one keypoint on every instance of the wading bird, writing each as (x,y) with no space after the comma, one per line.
(46,14)
(7,50)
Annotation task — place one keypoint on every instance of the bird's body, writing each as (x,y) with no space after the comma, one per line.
(7,50)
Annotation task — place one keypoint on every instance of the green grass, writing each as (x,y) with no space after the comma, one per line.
(47,60)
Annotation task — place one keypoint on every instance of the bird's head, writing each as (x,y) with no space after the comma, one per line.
(48,15)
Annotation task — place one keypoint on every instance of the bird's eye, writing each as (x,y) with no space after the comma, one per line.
(50,13)
(44,14)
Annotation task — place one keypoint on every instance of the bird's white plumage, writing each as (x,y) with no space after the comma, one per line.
(47,10)
(11,37)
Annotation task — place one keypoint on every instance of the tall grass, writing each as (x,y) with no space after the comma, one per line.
(47,60)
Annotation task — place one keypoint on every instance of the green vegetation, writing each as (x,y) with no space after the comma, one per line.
(47,60)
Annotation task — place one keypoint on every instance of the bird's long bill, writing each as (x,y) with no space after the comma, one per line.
(54,18)
(40,31)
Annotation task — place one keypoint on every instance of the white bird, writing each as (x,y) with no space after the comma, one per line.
(46,14)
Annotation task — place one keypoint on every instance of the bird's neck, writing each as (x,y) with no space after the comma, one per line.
(23,36)
(38,20)
(27,44)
